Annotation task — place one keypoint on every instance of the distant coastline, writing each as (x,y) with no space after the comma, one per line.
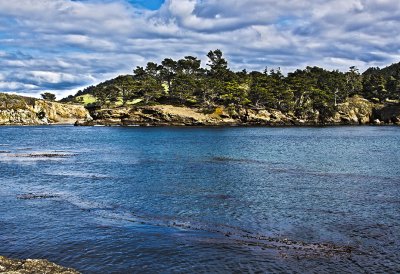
(18,110)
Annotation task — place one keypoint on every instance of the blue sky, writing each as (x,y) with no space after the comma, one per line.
(148,4)
(62,46)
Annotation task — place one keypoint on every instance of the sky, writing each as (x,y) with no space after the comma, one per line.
(62,46)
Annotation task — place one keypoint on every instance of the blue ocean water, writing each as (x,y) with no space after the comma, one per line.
(151,200)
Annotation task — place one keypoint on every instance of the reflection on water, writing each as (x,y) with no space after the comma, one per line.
(202,199)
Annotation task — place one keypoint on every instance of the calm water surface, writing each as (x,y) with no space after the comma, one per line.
(146,200)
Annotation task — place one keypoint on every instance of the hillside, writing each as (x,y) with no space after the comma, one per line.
(160,93)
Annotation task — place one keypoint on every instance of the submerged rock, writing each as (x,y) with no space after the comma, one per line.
(42,155)
(32,266)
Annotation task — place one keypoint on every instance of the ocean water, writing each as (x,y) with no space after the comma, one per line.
(203,200)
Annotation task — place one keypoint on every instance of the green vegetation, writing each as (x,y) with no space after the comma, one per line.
(185,82)
(9,101)
(86,99)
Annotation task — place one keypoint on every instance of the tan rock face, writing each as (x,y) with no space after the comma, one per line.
(17,110)
(163,115)
(356,110)
(32,266)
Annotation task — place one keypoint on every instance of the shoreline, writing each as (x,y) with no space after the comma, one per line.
(204,126)
(356,110)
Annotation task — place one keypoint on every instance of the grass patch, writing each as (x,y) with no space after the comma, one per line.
(86,99)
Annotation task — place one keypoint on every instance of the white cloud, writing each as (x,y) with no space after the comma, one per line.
(7,86)
(64,45)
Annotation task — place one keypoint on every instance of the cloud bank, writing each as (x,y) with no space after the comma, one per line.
(63,45)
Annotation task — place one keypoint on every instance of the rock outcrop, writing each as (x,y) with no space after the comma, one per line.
(32,266)
(356,111)
(168,115)
(388,114)
(18,110)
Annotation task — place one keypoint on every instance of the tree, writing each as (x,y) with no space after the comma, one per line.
(235,95)
(187,75)
(353,81)
(106,94)
(393,88)
(148,82)
(321,101)
(168,71)
(218,77)
(283,96)
(126,87)
(301,84)
(216,62)
(260,93)
(375,87)
(48,96)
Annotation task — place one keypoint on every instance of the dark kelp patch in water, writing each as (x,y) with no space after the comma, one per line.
(33,196)
(44,155)
(223,159)
(219,196)
(238,236)
(36,156)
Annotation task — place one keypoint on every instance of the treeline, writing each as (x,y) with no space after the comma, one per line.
(186,82)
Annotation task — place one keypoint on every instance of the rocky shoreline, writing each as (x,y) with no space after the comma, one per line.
(18,110)
(356,111)
(13,266)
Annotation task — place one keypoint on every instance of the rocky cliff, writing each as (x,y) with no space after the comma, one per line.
(353,112)
(32,266)
(18,110)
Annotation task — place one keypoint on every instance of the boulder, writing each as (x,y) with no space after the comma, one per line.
(356,110)
(32,266)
